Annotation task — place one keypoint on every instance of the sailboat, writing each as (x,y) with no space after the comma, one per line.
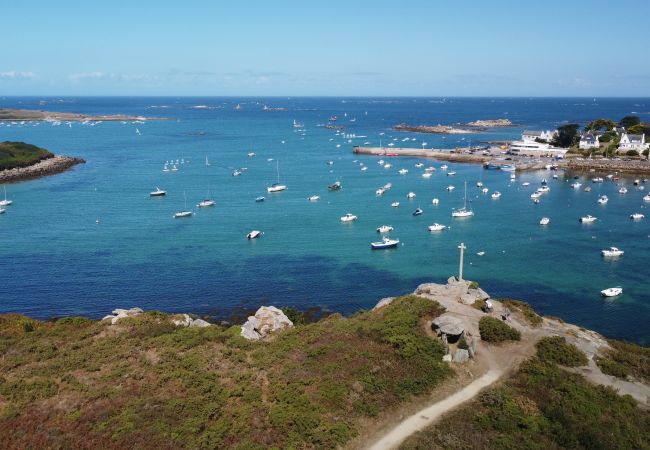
(276,187)
(207,202)
(463,212)
(207,163)
(5,202)
(185,212)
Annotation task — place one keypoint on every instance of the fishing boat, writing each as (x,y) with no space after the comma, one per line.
(277,187)
(385,243)
(463,212)
(5,202)
(496,195)
(158,193)
(437,227)
(612,292)
(588,219)
(545,221)
(336,186)
(349,218)
(612,252)
(637,216)
(384,229)
(254,234)
(417,212)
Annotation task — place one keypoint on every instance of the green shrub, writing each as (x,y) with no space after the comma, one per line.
(494,330)
(524,308)
(462,343)
(19,154)
(556,350)
(613,368)
(626,359)
(632,153)
(473,285)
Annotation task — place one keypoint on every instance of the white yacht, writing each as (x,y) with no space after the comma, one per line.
(622,190)
(588,219)
(496,195)
(576,185)
(603,200)
(437,227)
(545,221)
(385,243)
(463,212)
(403,171)
(451,174)
(276,187)
(485,190)
(314,198)
(444,167)
(612,292)
(395,204)
(410,195)
(254,234)
(5,202)
(426,175)
(435,201)
(379,192)
(646,198)
(349,218)
(637,216)
(450,188)
(612,252)
(158,192)
(184,212)
(384,229)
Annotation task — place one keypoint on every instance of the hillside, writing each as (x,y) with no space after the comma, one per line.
(20,154)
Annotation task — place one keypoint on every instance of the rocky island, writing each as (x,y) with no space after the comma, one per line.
(21,161)
(433,129)
(38,115)
(491,123)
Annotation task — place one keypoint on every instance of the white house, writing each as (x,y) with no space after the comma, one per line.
(632,142)
(588,141)
(532,136)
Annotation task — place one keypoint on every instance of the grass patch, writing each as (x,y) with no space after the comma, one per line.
(524,308)
(556,350)
(626,359)
(20,154)
(495,331)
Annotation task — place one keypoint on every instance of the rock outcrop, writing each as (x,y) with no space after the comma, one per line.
(267,320)
(184,320)
(461,356)
(383,302)
(448,325)
(119,314)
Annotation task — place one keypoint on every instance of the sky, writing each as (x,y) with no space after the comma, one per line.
(330,48)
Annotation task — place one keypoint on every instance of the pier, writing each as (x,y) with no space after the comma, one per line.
(443,155)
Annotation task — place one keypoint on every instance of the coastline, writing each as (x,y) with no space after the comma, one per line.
(49,166)
(8,114)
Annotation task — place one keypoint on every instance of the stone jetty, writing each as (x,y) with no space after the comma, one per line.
(443,155)
(49,166)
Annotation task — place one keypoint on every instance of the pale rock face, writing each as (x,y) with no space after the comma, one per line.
(199,323)
(446,358)
(461,356)
(383,302)
(183,320)
(267,320)
(119,314)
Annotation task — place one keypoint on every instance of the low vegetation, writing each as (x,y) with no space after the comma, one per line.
(19,154)
(541,406)
(626,360)
(495,331)
(555,349)
(524,308)
(76,383)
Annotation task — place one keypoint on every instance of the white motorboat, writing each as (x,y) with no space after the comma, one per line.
(450,188)
(612,252)
(588,189)
(481,253)
(364,168)
(576,185)
(543,189)
(555,176)
(206,203)
(426,175)
(165,168)
(526,183)
(588,219)
(385,243)
(251,154)
(381,162)
(260,199)
(388,166)
(379,192)
(485,190)
(646,198)
(545,221)
(418,165)
(410,195)
(403,171)
(430,169)
(336,186)
(612,292)
(181,214)
(451,174)
(158,192)
(349,218)
(463,212)
(314,198)
(637,216)
(597,180)
(435,201)
(417,212)
(277,187)
(236,173)
(444,167)
(437,227)
(384,229)
(496,195)
(395,204)
(603,200)
(387,186)
(254,234)
(2,211)
(479,184)
(622,190)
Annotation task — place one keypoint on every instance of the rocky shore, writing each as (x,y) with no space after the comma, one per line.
(38,115)
(433,129)
(609,166)
(49,166)
(491,123)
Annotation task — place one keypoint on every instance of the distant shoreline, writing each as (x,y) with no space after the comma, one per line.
(52,116)
(50,166)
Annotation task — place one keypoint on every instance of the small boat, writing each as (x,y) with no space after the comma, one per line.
(555,176)
(410,195)
(185,212)
(444,167)
(603,200)
(334,187)
(526,183)
(277,187)
(364,168)
(388,166)
(174,168)
(260,199)
(496,195)
(637,182)
(545,221)
(402,171)
(165,168)
(463,212)
(418,165)
(479,184)
(384,229)
(588,219)
(481,253)
(379,192)
(381,162)
(512,176)
(417,212)
(435,201)
(349,218)
(576,185)
(622,190)
(544,189)
(450,188)
(236,173)
(2,211)
(330,163)
(485,190)
(451,174)
(536,201)
(251,154)
(387,186)
(314,198)
(158,192)
(206,203)
(535,195)
(430,169)
(646,198)
(254,234)
(637,216)
(612,252)
(588,189)
(426,175)
(597,180)
(437,227)
(612,292)
(385,243)
(395,204)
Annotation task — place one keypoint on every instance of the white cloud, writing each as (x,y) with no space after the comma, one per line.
(87,76)
(13,74)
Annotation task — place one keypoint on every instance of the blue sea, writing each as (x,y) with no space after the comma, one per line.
(56,260)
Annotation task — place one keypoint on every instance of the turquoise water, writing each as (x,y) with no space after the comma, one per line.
(56,260)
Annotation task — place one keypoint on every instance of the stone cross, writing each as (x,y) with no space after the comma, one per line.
(462,252)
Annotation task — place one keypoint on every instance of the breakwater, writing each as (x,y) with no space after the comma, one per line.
(49,166)
(423,153)
(609,166)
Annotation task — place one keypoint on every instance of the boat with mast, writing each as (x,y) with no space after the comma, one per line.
(5,202)
(184,212)
(463,212)
(277,187)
